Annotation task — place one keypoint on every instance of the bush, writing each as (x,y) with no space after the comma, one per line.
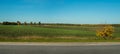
(105,32)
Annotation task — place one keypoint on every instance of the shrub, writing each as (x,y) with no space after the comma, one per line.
(105,32)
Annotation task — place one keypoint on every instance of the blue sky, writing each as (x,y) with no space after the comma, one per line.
(61,11)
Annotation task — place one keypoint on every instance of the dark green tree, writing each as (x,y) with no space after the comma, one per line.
(25,23)
(39,23)
(18,23)
(34,23)
(31,23)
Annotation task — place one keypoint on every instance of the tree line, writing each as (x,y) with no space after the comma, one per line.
(62,24)
(20,23)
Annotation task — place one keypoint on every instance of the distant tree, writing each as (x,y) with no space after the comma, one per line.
(5,23)
(18,23)
(25,23)
(39,23)
(31,23)
(34,23)
(9,23)
(105,32)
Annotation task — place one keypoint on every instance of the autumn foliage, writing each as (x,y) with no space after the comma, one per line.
(105,32)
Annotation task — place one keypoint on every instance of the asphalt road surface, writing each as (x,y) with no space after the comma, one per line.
(51,49)
(59,48)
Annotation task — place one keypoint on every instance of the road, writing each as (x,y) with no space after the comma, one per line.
(59,49)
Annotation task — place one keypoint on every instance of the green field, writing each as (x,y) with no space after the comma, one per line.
(51,32)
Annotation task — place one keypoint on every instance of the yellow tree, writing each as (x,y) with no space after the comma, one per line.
(105,32)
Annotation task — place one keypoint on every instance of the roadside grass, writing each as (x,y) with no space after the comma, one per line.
(58,40)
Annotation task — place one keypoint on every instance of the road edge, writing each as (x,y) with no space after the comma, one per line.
(60,43)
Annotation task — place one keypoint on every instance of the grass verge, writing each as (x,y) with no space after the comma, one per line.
(56,39)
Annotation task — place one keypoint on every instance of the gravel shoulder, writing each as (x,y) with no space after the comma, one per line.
(60,43)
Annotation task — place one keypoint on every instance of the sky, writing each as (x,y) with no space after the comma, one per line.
(61,11)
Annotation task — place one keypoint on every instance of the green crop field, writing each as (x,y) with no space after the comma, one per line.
(51,31)
(14,30)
